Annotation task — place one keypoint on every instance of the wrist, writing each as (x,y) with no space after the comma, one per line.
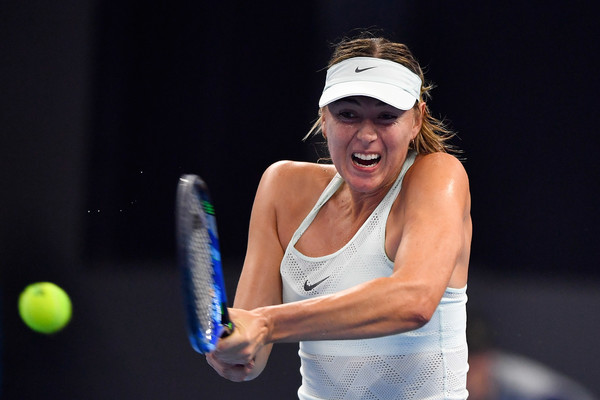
(267,323)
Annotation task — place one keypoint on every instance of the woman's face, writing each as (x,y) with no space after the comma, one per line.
(368,140)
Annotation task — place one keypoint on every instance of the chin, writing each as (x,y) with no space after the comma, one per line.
(364,184)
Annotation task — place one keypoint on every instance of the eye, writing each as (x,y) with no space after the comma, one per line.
(388,117)
(346,115)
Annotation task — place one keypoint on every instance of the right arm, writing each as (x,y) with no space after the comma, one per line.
(277,210)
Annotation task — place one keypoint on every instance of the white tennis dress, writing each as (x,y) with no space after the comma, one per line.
(427,363)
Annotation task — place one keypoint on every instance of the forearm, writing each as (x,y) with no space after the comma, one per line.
(376,308)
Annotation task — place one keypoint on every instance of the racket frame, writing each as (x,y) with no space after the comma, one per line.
(202,340)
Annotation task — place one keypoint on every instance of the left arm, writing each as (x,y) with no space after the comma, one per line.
(432,253)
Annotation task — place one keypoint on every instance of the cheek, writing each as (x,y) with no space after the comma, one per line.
(332,145)
(334,134)
(401,135)
(337,147)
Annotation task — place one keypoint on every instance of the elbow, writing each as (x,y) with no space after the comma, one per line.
(413,308)
(419,312)
(408,320)
(419,317)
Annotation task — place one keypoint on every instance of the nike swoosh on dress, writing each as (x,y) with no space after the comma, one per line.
(308,287)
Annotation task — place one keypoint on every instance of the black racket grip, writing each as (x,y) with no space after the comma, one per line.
(226,323)
(228,330)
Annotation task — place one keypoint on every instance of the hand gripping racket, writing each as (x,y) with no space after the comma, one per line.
(199,262)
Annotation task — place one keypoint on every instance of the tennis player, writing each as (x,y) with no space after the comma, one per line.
(363,262)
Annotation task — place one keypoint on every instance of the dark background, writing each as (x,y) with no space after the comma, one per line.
(105,104)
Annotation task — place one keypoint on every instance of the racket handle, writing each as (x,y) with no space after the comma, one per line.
(227,330)
(225,322)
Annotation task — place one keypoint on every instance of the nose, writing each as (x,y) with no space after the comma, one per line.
(367,132)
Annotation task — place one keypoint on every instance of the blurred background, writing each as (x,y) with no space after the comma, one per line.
(105,104)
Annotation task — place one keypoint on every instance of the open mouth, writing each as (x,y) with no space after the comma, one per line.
(365,160)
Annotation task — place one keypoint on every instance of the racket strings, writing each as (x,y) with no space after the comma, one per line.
(200,253)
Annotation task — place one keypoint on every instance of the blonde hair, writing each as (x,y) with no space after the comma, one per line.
(434,134)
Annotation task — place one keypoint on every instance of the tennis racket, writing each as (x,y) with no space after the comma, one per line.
(199,260)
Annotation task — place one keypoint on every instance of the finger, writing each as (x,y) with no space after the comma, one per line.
(232,352)
(235,358)
(236,373)
(232,372)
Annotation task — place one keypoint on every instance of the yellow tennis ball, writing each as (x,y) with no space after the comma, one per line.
(45,307)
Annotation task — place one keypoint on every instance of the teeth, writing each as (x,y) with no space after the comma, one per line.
(366,157)
(366,160)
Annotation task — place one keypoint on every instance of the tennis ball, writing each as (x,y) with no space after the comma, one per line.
(45,307)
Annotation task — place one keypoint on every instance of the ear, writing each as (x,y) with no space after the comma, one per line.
(419,116)
(323,124)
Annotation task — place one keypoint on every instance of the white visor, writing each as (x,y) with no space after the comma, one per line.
(381,79)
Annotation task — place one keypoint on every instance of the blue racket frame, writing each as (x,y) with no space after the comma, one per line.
(203,340)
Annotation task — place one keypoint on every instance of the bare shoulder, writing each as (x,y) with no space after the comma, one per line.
(286,175)
(437,177)
(439,161)
(287,192)
(293,182)
(437,167)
